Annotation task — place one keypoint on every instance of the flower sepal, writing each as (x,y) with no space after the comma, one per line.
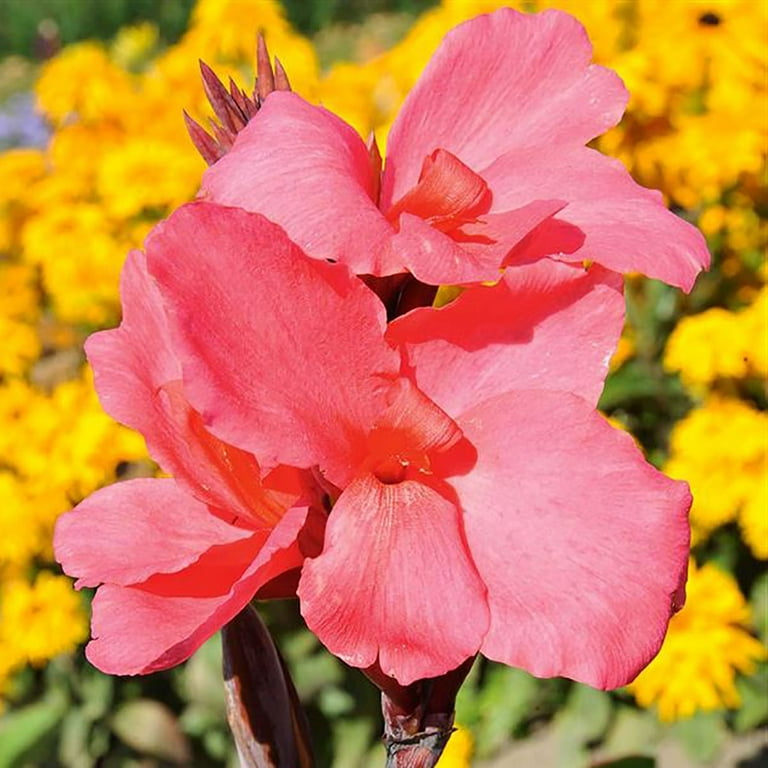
(418,718)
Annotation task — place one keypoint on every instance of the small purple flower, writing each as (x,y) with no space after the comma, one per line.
(21,125)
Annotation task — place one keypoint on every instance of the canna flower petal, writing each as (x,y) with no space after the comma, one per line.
(499,81)
(138,631)
(274,146)
(290,146)
(131,362)
(395,582)
(457,461)
(545,326)
(457,452)
(129,531)
(138,378)
(433,257)
(486,150)
(582,545)
(609,219)
(274,346)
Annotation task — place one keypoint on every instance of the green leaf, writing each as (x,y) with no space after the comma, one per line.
(702,735)
(588,712)
(468,709)
(632,732)
(351,739)
(197,719)
(505,701)
(313,673)
(100,739)
(584,719)
(758,600)
(298,645)
(219,744)
(97,691)
(334,702)
(754,700)
(150,727)
(22,729)
(200,680)
(74,736)
(630,382)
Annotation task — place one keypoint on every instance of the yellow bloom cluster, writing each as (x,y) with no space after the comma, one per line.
(707,644)
(40,620)
(720,344)
(721,449)
(18,319)
(55,448)
(458,752)
(119,159)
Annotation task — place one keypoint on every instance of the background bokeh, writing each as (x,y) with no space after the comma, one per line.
(93,151)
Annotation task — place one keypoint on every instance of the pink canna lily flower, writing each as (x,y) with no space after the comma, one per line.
(475,500)
(486,167)
(175,558)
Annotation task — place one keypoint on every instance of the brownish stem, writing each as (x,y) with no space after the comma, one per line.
(263,708)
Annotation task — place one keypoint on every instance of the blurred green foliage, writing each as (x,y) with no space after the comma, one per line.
(21,33)
(309,16)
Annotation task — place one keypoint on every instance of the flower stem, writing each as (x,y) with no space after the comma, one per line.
(263,708)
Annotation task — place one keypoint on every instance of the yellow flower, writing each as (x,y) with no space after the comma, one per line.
(8,666)
(693,39)
(712,220)
(20,347)
(82,81)
(42,619)
(753,518)
(142,174)
(625,349)
(19,534)
(62,445)
(361,94)
(133,44)
(88,445)
(720,344)
(721,449)
(226,30)
(19,314)
(708,643)
(458,752)
(81,258)
(604,21)
(20,169)
(707,346)
(754,326)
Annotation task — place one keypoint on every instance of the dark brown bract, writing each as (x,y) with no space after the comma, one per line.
(234,107)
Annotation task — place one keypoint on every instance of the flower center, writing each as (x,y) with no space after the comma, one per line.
(709,19)
(408,434)
(396,467)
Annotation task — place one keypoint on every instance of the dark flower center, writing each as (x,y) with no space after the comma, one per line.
(710,19)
